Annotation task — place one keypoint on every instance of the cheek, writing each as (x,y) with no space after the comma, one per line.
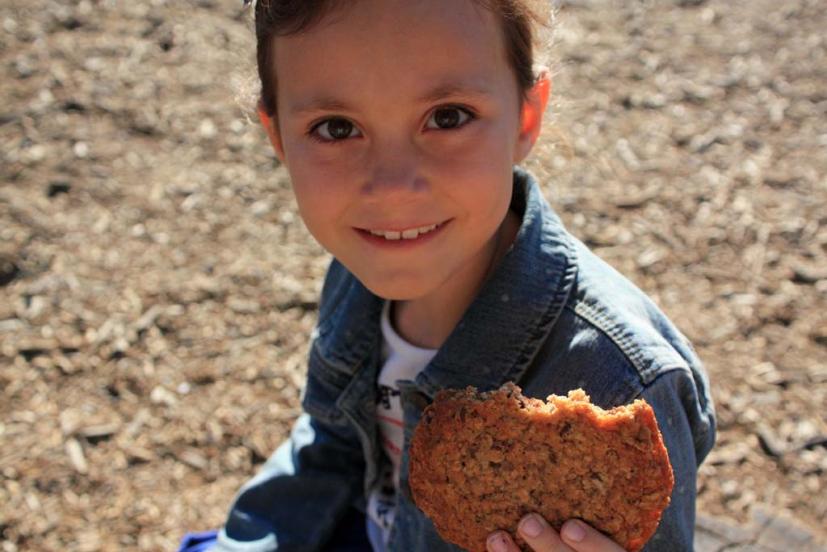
(480,169)
(316,181)
(315,206)
(318,201)
(317,169)
(484,151)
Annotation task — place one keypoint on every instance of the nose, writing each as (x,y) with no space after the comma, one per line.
(395,172)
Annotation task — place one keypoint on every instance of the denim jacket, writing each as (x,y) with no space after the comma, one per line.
(552,317)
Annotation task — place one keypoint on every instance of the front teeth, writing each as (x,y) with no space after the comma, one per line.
(411,234)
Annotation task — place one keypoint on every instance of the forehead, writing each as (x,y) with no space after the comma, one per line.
(400,46)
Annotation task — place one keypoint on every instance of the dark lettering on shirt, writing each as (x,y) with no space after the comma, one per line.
(385,394)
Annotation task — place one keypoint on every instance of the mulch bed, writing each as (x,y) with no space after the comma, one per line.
(157,288)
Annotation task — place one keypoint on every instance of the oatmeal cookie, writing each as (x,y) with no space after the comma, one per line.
(481,461)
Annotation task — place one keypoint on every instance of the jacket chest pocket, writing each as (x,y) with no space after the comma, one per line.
(326,383)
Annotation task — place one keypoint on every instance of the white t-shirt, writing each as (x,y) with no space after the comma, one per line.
(401,361)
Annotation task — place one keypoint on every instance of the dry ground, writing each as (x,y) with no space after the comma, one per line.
(157,287)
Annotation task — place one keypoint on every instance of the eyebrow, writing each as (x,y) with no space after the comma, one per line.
(442,91)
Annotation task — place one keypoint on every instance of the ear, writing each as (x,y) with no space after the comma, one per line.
(271,126)
(531,117)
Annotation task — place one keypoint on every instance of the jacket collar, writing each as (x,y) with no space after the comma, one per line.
(501,332)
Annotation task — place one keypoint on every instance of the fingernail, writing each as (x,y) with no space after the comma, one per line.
(573,531)
(531,526)
(496,543)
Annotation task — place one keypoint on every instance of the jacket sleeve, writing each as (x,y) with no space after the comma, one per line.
(306,488)
(301,493)
(687,424)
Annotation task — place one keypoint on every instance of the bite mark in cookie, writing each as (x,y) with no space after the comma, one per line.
(479,462)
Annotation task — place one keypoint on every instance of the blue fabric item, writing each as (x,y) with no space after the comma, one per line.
(198,542)
(205,540)
(552,317)
(351,536)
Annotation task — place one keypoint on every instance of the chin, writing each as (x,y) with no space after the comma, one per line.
(395,289)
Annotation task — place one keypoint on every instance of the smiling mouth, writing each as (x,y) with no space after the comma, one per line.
(409,234)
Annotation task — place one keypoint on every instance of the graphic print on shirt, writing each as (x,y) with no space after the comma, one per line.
(401,361)
(386,393)
(388,414)
(382,502)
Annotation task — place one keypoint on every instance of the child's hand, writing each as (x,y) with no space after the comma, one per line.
(575,536)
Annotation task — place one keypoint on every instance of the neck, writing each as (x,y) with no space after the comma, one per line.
(428,321)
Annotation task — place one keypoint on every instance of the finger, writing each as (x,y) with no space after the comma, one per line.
(584,538)
(500,541)
(540,536)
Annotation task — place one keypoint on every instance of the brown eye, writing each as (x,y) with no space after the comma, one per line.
(446,118)
(335,129)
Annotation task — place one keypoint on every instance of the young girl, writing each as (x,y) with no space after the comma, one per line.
(401,123)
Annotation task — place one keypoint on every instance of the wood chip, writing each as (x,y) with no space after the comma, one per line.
(75,452)
(193,458)
(97,432)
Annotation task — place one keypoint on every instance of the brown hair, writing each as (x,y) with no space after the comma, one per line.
(519,19)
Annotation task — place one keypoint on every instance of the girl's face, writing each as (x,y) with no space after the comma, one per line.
(399,122)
